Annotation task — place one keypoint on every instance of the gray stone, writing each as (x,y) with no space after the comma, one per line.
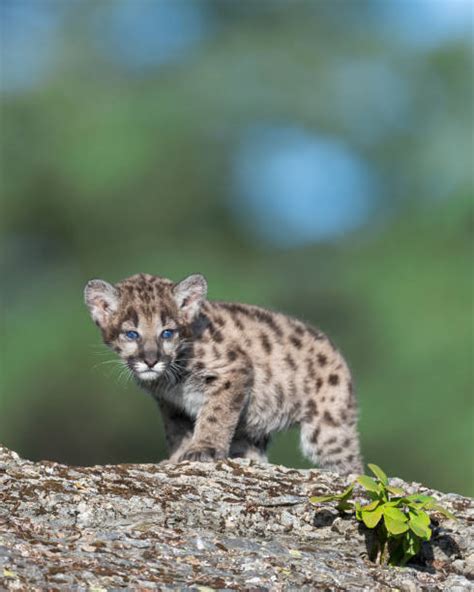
(234,525)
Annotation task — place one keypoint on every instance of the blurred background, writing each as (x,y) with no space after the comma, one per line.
(309,156)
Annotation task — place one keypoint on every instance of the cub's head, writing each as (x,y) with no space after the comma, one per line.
(146,319)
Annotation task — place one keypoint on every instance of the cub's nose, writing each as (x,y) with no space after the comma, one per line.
(150,361)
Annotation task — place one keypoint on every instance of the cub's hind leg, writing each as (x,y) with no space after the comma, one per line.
(244,447)
(329,435)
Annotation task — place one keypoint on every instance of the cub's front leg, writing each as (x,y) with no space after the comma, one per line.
(224,398)
(178,429)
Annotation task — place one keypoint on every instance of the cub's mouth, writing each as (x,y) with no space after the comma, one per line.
(145,372)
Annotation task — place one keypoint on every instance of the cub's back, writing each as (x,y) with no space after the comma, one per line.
(285,353)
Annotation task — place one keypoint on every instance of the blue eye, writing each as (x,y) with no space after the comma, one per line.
(132,335)
(167,334)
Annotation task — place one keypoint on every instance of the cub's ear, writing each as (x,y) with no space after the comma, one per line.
(189,295)
(101,299)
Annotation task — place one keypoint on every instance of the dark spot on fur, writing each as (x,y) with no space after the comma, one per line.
(322,359)
(315,436)
(310,368)
(296,341)
(311,410)
(199,366)
(254,313)
(265,341)
(237,401)
(333,379)
(330,441)
(211,419)
(220,321)
(318,335)
(227,385)
(231,355)
(329,419)
(267,318)
(333,451)
(319,384)
(346,442)
(249,381)
(218,337)
(290,361)
(280,395)
(131,315)
(210,379)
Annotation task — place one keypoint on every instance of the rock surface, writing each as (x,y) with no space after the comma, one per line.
(234,525)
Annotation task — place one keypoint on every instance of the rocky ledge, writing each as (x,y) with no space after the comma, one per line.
(234,525)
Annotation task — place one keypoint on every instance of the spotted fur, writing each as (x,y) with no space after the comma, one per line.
(232,374)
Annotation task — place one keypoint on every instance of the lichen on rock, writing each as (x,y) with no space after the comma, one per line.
(233,525)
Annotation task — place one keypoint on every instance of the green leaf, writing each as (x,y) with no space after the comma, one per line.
(377,471)
(395,526)
(371,506)
(393,502)
(397,552)
(323,498)
(418,497)
(411,543)
(395,490)
(411,546)
(374,495)
(421,516)
(368,483)
(347,492)
(334,497)
(344,506)
(394,513)
(371,519)
(419,528)
(441,510)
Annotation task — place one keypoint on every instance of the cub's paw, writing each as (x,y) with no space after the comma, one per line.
(202,454)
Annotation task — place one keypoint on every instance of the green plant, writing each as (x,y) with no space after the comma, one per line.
(400,522)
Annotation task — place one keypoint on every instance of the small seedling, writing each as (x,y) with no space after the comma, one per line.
(400,522)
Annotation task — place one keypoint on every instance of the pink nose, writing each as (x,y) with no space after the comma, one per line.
(150,362)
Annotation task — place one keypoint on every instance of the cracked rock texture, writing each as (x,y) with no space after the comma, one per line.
(234,525)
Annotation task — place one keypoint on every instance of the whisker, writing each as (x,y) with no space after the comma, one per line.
(116,362)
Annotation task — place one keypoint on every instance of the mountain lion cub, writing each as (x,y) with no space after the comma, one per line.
(228,375)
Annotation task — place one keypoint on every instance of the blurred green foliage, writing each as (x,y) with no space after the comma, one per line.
(107,172)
